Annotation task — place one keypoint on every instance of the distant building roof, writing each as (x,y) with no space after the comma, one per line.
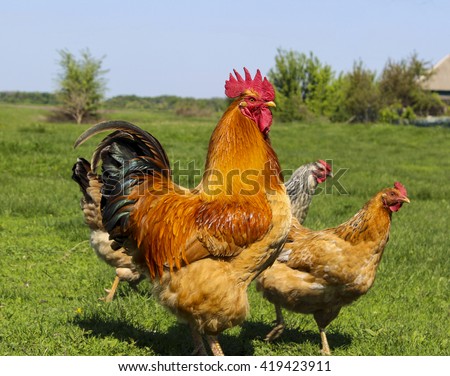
(440,79)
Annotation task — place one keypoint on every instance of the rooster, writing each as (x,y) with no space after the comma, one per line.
(302,186)
(201,248)
(90,185)
(319,272)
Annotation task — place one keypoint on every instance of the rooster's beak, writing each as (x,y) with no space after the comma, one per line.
(271,104)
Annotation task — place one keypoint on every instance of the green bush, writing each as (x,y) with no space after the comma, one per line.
(24,97)
(396,114)
(303,85)
(290,109)
(355,96)
(426,103)
(390,115)
(400,82)
(408,114)
(179,105)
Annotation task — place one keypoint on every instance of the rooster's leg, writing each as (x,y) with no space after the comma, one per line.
(108,298)
(323,337)
(214,344)
(279,328)
(199,347)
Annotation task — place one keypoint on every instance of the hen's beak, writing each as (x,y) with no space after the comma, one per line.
(405,199)
(271,104)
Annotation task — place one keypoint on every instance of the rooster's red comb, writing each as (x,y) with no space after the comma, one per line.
(234,87)
(400,187)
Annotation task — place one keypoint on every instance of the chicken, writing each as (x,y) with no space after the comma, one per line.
(319,272)
(90,185)
(201,248)
(302,186)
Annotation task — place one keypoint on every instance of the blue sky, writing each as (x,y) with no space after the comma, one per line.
(188,48)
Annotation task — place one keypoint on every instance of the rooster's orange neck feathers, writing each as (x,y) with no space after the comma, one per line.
(240,156)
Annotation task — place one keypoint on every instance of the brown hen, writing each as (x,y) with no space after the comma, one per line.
(319,272)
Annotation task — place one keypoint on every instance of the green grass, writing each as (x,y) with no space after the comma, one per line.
(50,280)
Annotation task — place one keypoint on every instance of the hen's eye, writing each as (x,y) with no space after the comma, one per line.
(251,99)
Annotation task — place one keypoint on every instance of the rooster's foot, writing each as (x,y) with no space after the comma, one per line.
(199,349)
(214,344)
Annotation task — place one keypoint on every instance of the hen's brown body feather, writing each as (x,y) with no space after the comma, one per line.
(319,272)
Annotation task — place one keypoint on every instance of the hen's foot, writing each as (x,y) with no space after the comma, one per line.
(325,347)
(275,332)
(109,298)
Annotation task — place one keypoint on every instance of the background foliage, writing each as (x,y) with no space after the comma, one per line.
(308,86)
(307,90)
(81,85)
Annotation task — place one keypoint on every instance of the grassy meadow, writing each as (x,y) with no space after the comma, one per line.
(50,279)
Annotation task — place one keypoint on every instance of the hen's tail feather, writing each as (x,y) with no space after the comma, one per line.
(80,172)
(129,157)
(90,186)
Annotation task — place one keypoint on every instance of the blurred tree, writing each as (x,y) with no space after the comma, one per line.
(361,97)
(286,77)
(400,85)
(302,84)
(354,96)
(318,90)
(81,85)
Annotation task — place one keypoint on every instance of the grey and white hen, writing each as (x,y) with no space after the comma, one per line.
(302,186)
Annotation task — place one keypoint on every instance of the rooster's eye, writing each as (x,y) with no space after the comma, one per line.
(251,99)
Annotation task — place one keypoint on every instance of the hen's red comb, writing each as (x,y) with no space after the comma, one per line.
(400,188)
(234,87)
(325,164)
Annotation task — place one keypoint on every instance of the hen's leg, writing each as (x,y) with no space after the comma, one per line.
(323,318)
(199,347)
(214,344)
(108,298)
(323,337)
(279,328)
